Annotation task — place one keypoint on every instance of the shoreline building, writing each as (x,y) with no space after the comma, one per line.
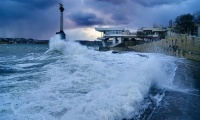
(154,33)
(112,37)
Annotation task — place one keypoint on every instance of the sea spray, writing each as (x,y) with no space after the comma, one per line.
(65,47)
(89,85)
(109,87)
(95,85)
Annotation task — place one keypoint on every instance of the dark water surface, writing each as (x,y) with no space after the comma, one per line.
(184,102)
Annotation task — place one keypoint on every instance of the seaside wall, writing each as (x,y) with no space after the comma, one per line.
(89,43)
(180,45)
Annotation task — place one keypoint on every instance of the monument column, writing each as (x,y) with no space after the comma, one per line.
(61,17)
(61,32)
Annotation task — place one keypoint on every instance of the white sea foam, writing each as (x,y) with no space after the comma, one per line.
(90,85)
(24,65)
(65,47)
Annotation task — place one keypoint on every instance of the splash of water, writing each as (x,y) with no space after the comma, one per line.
(65,47)
(90,85)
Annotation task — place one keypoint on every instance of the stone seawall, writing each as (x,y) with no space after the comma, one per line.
(180,45)
(89,43)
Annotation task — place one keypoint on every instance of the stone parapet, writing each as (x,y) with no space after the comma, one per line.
(180,45)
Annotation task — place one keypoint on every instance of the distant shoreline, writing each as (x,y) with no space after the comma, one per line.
(34,41)
(22,41)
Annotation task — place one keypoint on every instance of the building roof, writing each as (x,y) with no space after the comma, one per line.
(153,29)
(121,35)
(109,29)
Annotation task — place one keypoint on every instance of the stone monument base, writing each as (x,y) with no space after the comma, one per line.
(62,35)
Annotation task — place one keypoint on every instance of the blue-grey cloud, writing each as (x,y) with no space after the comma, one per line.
(19,9)
(27,18)
(40,4)
(85,19)
(142,12)
(148,3)
(114,1)
(151,3)
(40,18)
(119,18)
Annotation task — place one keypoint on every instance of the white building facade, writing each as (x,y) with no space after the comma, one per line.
(154,32)
(115,35)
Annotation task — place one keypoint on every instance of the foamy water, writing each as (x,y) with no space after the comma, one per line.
(71,82)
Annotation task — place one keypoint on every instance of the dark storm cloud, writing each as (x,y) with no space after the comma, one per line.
(146,12)
(120,18)
(40,4)
(150,3)
(11,11)
(27,18)
(114,1)
(117,15)
(40,18)
(147,3)
(19,9)
(85,19)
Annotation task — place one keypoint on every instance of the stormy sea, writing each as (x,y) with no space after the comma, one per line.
(67,81)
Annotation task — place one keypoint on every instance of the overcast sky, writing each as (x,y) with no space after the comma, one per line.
(40,18)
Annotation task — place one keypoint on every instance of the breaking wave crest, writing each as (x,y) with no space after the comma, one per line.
(89,85)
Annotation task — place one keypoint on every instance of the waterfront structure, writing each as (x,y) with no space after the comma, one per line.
(112,37)
(154,33)
(198,33)
(61,32)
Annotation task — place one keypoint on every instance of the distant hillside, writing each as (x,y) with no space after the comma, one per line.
(22,41)
(33,41)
